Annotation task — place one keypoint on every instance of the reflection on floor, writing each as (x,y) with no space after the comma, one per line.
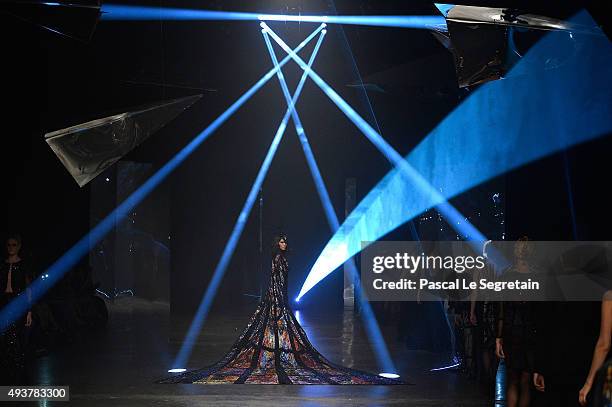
(119,366)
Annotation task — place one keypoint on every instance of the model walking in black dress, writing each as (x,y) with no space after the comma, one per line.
(14,279)
(515,339)
(273,348)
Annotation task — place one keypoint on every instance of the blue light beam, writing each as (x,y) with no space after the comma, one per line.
(299,129)
(209,295)
(372,329)
(425,191)
(503,125)
(18,306)
(118,12)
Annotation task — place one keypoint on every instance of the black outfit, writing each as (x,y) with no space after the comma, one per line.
(601,392)
(274,349)
(517,329)
(12,343)
(486,313)
(566,336)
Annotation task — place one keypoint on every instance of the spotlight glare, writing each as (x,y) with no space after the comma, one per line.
(389,375)
(177,370)
(119,12)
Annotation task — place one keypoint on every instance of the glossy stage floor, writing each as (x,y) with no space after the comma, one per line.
(119,366)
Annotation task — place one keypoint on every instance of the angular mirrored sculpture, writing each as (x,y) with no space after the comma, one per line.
(88,149)
(76,19)
(486,42)
(510,17)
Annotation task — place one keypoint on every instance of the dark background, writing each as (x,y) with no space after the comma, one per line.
(52,82)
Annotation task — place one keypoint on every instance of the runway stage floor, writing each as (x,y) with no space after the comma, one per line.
(119,366)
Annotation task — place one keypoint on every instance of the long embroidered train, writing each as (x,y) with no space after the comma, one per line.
(274,349)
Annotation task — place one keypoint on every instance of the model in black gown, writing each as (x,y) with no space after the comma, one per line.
(14,278)
(274,349)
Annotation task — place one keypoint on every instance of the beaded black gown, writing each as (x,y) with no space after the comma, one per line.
(12,356)
(274,349)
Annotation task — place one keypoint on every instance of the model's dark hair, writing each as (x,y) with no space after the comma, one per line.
(528,245)
(14,236)
(275,249)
